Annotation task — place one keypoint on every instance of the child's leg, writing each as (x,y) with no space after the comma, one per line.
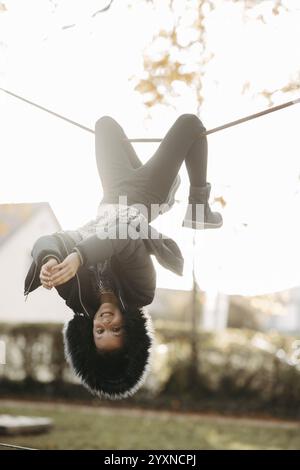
(181,143)
(115,156)
(196,162)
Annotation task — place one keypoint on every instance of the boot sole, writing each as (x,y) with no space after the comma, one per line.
(195,225)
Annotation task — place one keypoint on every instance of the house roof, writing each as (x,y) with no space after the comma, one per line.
(14,216)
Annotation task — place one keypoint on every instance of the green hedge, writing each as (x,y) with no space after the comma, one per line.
(234,366)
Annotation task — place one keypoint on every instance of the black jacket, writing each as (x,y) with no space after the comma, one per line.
(129,261)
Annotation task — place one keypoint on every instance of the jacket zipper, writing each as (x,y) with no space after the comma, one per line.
(77,277)
(26,293)
(120,293)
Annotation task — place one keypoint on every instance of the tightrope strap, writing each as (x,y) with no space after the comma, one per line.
(210,131)
(48,111)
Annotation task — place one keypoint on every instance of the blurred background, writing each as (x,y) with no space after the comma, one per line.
(227,354)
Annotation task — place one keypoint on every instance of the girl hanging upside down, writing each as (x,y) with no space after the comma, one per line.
(107,278)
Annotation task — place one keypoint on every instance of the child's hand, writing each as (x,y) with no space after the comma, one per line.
(46,273)
(64,271)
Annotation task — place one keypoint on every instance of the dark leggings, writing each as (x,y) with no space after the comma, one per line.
(122,173)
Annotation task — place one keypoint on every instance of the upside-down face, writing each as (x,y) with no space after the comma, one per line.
(108,327)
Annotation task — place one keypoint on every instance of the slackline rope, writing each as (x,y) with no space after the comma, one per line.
(210,131)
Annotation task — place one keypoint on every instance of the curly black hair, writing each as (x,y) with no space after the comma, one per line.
(112,374)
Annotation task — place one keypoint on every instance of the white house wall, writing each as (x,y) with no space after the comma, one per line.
(42,305)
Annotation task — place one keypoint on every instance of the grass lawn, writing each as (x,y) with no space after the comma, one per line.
(78,427)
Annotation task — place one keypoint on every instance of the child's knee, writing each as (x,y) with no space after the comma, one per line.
(105,122)
(192,121)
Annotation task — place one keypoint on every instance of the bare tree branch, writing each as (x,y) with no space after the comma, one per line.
(67,26)
(106,8)
(103,9)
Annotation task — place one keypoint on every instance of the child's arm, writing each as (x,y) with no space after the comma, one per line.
(47,246)
(94,250)
(63,272)
(46,270)
(134,260)
(138,273)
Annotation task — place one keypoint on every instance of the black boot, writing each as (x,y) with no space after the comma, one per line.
(199,215)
